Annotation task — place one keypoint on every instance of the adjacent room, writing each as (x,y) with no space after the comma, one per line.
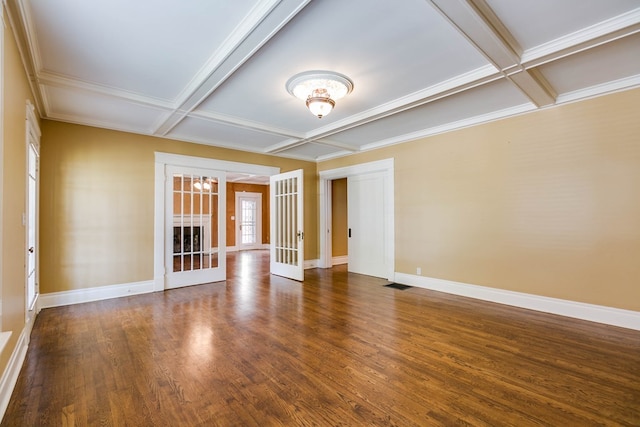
(296,212)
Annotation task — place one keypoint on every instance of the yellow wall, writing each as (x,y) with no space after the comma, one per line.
(97,190)
(15,94)
(546,203)
(339,223)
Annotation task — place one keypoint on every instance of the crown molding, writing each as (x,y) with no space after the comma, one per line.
(603,32)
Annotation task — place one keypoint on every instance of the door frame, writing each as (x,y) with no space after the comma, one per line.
(162,160)
(238,215)
(385,166)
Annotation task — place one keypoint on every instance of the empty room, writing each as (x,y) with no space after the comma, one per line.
(320,213)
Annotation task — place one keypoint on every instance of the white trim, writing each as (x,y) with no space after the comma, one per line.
(591,312)
(338,260)
(600,89)
(324,229)
(310,263)
(78,296)
(4,339)
(219,165)
(264,246)
(583,39)
(448,127)
(10,374)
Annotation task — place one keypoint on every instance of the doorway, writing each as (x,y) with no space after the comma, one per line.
(164,233)
(383,183)
(248,220)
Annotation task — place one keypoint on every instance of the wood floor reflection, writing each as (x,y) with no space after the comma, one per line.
(338,349)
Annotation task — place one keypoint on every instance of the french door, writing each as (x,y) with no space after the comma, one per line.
(194,226)
(287,224)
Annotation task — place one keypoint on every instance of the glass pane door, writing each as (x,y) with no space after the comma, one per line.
(195,227)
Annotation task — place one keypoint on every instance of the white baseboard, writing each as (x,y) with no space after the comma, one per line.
(56,299)
(10,375)
(337,260)
(310,263)
(594,313)
(236,249)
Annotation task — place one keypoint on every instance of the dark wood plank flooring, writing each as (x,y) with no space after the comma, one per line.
(339,349)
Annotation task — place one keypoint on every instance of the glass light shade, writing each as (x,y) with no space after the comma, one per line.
(320,106)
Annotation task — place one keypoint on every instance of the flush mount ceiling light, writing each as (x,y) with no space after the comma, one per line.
(319,89)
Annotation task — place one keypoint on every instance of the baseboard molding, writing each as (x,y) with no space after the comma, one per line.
(578,310)
(337,260)
(10,375)
(310,263)
(236,249)
(57,299)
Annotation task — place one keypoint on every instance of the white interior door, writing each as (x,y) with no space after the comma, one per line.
(32,229)
(248,220)
(30,218)
(195,244)
(366,233)
(287,224)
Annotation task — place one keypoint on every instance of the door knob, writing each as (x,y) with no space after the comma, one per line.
(31,249)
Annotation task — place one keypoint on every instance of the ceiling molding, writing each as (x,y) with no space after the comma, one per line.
(598,90)
(50,79)
(29,53)
(612,29)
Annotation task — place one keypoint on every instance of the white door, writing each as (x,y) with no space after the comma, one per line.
(30,218)
(287,224)
(248,221)
(195,246)
(32,225)
(366,233)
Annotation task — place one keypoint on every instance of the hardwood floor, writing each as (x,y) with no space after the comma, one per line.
(338,349)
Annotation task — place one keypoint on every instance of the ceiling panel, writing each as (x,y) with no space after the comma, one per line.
(214,133)
(309,151)
(101,110)
(146,47)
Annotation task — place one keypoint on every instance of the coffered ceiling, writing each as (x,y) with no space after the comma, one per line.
(214,72)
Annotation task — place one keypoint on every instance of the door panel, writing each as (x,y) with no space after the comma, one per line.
(195,243)
(287,224)
(366,239)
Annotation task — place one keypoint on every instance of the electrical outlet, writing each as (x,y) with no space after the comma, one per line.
(419,271)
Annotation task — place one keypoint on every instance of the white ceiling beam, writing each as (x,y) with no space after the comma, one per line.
(264,21)
(482,28)
(476,21)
